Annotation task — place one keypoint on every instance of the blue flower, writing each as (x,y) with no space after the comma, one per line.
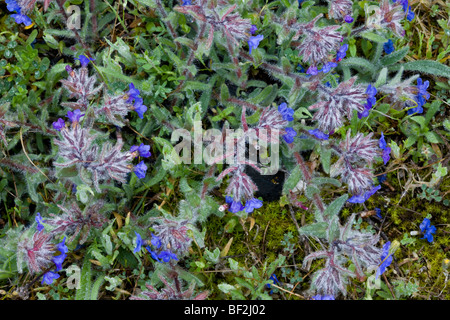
(58,260)
(382,142)
(139,243)
(74,116)
(274,279)
(386,260)
(153,254)
(167,255)
(12,5)
(427,229)
(253,29)
(253,42)
(139,107)
(21,18)
(300,68)
(365,113)
(348,19)
(371,91)
(133,93)
(84,61)
(327,66)
(410,15)
(156,241)
(236,206)
(59,124)
(363,197)
(421,97)
(325,297)
(228,199)
(382,178)
(140,169)
(386,154)
(144,151)
(62,246)
(39,222)
(312,70)
(378,213)
(68,69)
(342,52)
(319,134)
(286,112)
(49,277)
(253,204)
(186,3)
(289,136)
(74,188)
(388,47)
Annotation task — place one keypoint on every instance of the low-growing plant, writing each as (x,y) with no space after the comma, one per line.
(152,118)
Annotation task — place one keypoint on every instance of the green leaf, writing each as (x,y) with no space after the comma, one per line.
(420,120)
(325,159)
(335,207)
(333,229)
(381,78)
(410,141)
(373,37)
(432,109)
(292,180)
(394,56)
(324,180)
(224,93)
(395,149)
(85,280)
(311,190)
(426,66)
(358,63)
(318,229)
(433,137)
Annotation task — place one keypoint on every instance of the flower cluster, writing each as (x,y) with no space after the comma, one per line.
(50,276)
(427,229)
(371,92)
(157,253)
(421,95)
(19,16)
(37,252)
(407,9)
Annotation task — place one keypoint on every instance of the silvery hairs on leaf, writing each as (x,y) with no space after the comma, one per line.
(173,235)
(318,43)
(75,147)
(73,221)
(232,26)
(334,103)
(36,251)
(28,5)
(171,291)
(111,163)
(115,108)
(356,153)
(338,9)
(80,86)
